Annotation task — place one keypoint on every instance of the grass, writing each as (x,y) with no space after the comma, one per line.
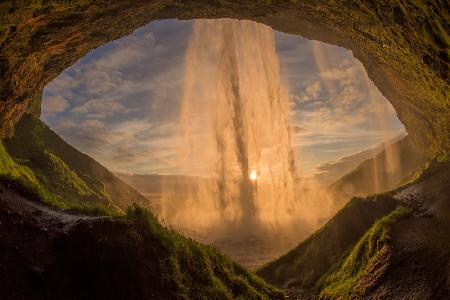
(26,161)
(342,279)
(23,176)
(193,269)
(186,269)
(72,179)
(64,170)
(444,157)
(423,171)
(304,265)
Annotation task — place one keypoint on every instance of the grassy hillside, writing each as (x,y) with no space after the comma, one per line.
(364,250)
(380,173)
(131,256)
(59,174)
(304,265)
(373,246)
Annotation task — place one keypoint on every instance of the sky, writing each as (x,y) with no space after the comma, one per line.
(120,103)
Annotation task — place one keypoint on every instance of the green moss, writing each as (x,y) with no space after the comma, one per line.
(194,269)
(66,175)
(27,162)
(341,280)
(65,172)
(445,157)
(423,171)
(16,172)
(303,266)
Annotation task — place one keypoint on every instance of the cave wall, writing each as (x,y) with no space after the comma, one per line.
(403,45)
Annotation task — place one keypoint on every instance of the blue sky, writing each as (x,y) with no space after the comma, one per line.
(120,103)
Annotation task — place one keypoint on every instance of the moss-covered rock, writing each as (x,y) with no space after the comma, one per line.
(58,174)
(364,258)
(393,245)
(303,266)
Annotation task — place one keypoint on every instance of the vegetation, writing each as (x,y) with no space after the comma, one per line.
(28,182)
(54,172)
(349,255)
(304,265)
(444,157)
(183,268)
(193,269)
(428,168)
(342,279)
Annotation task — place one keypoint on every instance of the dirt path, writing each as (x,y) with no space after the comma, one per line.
(30,234)
(13,202)
(419,267)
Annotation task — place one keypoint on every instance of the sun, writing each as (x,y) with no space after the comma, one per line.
(252,175)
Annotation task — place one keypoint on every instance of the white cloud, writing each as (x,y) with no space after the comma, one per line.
(99,108)
(311,92)
(54,104)
(93,124)
(124,100)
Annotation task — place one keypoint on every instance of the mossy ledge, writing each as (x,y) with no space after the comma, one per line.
(51,170)
(403,45)
(364,250)
(303,266)
(48,254)
(370,253)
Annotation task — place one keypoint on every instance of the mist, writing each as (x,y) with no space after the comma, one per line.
(235,129)
(236,133)
(227,121)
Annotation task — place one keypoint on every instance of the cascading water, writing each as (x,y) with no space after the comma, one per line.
(225,168)
(235,120)
(235,135)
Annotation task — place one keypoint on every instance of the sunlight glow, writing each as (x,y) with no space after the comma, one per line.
(252,175)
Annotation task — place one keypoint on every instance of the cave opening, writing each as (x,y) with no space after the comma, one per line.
(233,135)
(237,135)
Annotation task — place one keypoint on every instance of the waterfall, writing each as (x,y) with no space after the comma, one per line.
(235,125)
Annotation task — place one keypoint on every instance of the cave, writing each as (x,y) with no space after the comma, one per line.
(402,47)
(134,108)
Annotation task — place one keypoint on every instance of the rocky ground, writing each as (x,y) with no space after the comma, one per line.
(51,254)
(414,263)
(419,267)
(27,232)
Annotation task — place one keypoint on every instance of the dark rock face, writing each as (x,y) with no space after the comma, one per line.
(304,265)
(52,254)
(402,46)
(414,263)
